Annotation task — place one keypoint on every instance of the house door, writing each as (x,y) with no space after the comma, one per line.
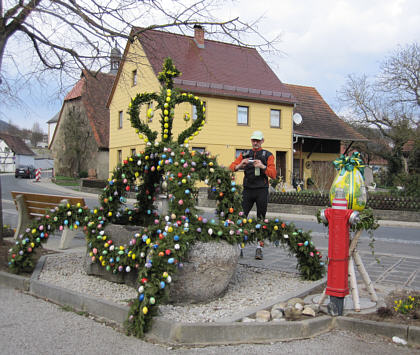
(281,164)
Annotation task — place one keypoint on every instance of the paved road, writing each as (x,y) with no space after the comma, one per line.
(32,326)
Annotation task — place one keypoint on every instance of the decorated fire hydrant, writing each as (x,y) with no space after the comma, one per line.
(347,195)
(339,220)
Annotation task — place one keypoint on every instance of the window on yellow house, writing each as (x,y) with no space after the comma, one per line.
(149,107)
(200,150)
(119,156)
(275,116)
(239,151)
(134,77)
(194,111)
(243,115)
(120,119)
(133,151)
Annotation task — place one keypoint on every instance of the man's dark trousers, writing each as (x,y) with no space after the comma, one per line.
(258,196)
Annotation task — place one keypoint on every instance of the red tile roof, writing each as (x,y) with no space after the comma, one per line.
(318,119)
(94,89)
(95,95)
(16,144)
(76,91)
(219,68)
(408,146)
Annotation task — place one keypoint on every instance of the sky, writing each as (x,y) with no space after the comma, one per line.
(321,43)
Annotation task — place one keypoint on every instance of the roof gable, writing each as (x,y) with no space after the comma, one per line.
(93,89)
(95,96)
(217,69)
(319,120)
(16,144)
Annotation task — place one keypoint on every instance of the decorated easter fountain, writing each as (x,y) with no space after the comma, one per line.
(161,250)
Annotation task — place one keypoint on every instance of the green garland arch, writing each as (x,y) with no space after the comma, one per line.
(157,250)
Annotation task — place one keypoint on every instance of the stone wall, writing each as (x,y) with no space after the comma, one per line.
(93,158)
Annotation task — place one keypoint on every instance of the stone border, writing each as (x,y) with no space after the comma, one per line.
(226,331)
(408,332)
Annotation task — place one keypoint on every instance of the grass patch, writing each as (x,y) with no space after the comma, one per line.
(66,181)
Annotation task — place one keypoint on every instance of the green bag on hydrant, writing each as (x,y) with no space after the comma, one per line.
(351,180)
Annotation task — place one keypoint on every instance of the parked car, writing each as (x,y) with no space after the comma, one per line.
(25,171)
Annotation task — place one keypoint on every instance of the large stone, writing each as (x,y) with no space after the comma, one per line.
(277,313)
(206,272)
(262,316)
(291,313)
(120,235)
(205,275)
(308,311)
(293,301)
(281,306)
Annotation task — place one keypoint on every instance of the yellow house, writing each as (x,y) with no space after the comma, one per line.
(240,91)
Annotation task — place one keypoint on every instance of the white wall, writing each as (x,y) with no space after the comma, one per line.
(7,162)
(44,164)
(51,129)
(25,160)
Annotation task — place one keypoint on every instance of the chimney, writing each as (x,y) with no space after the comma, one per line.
(199,36)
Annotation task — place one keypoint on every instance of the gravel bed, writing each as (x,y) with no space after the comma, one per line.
(250,287)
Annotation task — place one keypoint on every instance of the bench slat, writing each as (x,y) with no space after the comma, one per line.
(40,204)
(55,199)
(38,211)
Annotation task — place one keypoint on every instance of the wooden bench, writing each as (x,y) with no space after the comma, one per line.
(31,206)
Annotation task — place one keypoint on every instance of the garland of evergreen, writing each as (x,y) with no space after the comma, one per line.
(157,250)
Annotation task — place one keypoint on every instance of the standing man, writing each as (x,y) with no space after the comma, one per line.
(258,165)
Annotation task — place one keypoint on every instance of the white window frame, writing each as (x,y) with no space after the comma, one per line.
(240,115)
(278,125)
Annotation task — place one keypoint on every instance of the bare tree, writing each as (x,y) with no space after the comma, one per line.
(66,36)
(400,75)
(388,103)
(76,140)
(37,134)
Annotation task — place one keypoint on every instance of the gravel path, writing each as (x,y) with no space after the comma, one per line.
(249,287)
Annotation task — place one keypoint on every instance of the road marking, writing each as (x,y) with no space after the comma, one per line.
(387,271)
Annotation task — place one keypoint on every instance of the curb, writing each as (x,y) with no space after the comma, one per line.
(407,332)
(224,332)
(15,281)
(201,334)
